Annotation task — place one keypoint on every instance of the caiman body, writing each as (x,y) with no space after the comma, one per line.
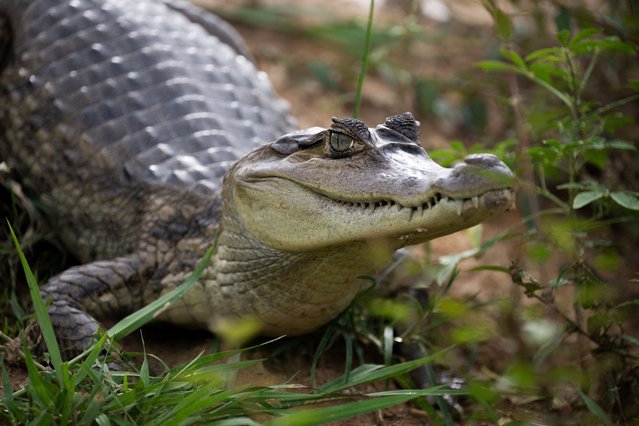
(145,131)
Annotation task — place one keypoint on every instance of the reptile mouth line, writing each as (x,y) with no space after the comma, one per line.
(461,204)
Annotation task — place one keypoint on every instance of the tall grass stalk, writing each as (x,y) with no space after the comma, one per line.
(364,64)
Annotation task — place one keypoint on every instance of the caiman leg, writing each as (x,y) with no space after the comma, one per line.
(99,289)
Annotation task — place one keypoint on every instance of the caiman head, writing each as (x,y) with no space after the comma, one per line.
(319,188)
(307,215)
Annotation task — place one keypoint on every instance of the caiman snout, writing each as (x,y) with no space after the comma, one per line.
(478,173)
(483,160)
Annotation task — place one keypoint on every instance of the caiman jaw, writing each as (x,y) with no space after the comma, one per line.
(461,204)
(419,217)
(307,191)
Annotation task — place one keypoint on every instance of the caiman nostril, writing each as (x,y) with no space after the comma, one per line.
(482,160)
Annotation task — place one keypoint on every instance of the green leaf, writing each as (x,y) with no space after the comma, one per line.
(583,34)
(578,185)
(40,309)
(39,388)
(619,144)
(626,199)
(237,421)
(514,58)
(315,416)
(627,303)
(205,397)
(390,309)
(549,53)
(634,85)
(495,66)
(614,44)
(93,409)
(563,36)
(90,359)
(585,198)
(367,373)
(103,420)
(503,24)
(608,44)
(594,408)
(598,158)
(631,339)
(145,375)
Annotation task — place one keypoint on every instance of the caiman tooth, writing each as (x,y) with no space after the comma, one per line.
(475,201)
(429,204)
(420,211)
(459,206)
(410,213)
(398,207)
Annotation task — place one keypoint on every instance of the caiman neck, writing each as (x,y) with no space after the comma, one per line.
(289,292)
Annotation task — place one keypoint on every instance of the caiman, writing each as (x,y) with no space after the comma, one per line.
(145,130)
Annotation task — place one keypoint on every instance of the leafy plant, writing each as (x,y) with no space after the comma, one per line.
(567,139)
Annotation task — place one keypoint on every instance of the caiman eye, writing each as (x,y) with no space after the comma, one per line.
(340,142)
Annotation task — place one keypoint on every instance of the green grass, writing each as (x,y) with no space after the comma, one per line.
(85,391)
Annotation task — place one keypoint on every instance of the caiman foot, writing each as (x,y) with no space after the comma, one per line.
(98,289)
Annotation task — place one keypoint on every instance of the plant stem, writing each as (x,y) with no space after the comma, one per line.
(364,64)
(531,203)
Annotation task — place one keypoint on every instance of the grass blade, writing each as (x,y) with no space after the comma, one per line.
(316,416)
(42,316)
(364,65)
(94,407)
(12,406)
(141,317)
(371,372)
(201,399)
(595,408)
(91,358)
(38,388)
(237,421)
(325,342)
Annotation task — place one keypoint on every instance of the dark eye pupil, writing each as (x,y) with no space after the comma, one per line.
(340,142)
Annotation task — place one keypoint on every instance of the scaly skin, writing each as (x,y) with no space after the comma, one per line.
(145,131)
